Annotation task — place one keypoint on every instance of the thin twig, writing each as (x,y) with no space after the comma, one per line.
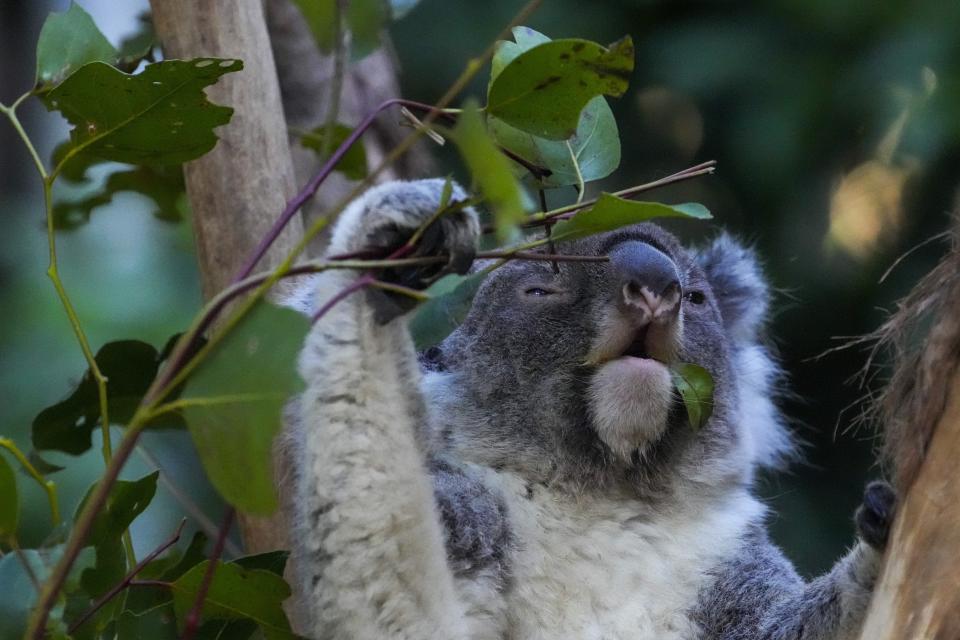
(49,486)
(192,621)
(128,579)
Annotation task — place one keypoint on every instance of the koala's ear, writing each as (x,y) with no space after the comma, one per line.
(736,278)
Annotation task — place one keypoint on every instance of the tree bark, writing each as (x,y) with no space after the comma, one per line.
(237,190)
(918,594)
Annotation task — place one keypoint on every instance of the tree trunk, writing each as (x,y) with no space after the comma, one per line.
(237,190)
(918,593)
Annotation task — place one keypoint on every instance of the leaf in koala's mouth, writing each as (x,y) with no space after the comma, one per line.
(695,385)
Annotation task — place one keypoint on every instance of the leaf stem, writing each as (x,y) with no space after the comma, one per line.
(11,114)
(49,486)
(128,579)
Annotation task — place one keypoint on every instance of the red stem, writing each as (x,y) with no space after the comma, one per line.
(193,618)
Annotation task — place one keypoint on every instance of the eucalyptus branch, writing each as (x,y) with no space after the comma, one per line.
(48,486)
(128,579)
(193,618)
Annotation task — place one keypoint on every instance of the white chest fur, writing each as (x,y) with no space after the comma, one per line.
(592,570)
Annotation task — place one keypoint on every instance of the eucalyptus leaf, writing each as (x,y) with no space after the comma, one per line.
(439,316)
(9,501)
(233,403)
(353,164)
(130,367)
(543,90)
(163,185)
(490,170)
(157,623)
(68,41)
(612,212)
(365,20)
(158,116)
(695,385)
(236,593)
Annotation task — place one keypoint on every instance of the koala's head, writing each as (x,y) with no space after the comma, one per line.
(565,372)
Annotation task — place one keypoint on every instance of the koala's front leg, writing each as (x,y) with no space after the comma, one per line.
(372,552)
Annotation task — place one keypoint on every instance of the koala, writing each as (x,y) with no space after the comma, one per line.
(534,475)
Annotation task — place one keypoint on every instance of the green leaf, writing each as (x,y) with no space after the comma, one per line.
(439,316)
(695,385)
(595,147)
(354,162)
(127,500)
(162,184)
(68,41)
(612,212)
(9,501)
(157,623)
(320,16)
(234,403)
(130,366)
(543,90)
(75,169)
(43,467)
(490,171)
(235,594)
(273,561)
(139,44)
(159,116)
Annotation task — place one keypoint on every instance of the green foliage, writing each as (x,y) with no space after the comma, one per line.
(543,90)
(234,401)
(236,594)
(130,366)
(9,501)
(353,164)
(593,152)
(68,41)
(450,302)
(611,212)
(695,385)
(490,170)
(365,20)
(158,116)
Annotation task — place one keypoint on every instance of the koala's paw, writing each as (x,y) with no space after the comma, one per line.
(875,516)
(390,215)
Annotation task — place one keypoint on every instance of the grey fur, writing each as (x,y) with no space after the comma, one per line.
(509,428)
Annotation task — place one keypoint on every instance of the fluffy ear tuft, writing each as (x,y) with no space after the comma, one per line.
(737,281)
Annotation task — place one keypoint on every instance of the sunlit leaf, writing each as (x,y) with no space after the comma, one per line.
(68,41)
(236,593)
(235,399)
(354,162)
(543,90)
(695,385)
(162,184)
(439,316)
(130,366)
(490,170)
(611,212)
(158,116)
(9,500)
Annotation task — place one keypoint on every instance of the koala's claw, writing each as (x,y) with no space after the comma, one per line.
(875,516)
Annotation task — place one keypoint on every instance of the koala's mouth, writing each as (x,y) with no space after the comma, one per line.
(638,347)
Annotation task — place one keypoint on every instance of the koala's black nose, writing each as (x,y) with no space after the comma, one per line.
(647,278)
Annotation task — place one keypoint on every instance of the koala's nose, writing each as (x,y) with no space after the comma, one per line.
(647,279)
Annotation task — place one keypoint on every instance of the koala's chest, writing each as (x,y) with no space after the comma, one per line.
(608,571)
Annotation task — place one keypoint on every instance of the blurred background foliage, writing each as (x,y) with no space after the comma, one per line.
(836,125)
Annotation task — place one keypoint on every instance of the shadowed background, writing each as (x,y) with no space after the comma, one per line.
(836,126)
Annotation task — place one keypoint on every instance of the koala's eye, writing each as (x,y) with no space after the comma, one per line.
(539,291)
(696,297)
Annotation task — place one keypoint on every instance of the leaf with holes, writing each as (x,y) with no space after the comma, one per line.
(130,366)
(9,501)
(233,403)
(127,500)
(68,41)
(490,170)
(438,317)
(158,116)
(543,90)
(594,149)
(611,212)
(236,593)
(695,385)
(353,164)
